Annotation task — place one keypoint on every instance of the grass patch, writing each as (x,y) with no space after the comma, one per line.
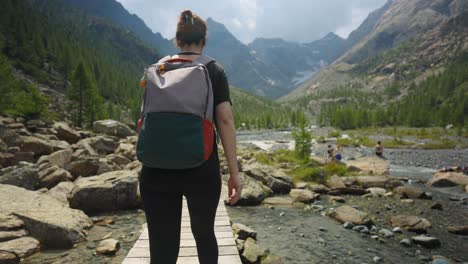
(334,134)
(396,143)
(442,144)
(280,156)
(355,141)
(337,168)
(309,174)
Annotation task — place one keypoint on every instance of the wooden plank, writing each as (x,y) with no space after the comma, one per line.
(184,252)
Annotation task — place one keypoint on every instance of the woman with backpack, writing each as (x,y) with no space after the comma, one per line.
(186,96)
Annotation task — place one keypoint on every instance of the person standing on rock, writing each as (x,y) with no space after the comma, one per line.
(379,149)
(163,187)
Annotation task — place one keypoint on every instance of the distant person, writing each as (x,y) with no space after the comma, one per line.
(339,150)
(379,149)
(190,164)
(330,152)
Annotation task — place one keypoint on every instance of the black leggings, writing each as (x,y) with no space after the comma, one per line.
(162,191)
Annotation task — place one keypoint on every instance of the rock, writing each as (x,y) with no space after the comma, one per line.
(397,230)
(7,257)
(61,229)
(459,230)
(3,146)
(10,222)
(301,185)
(393,183)
(440,260)
(25,176)
(134,165)
(84,168)
(62,191)
(318,188)
(272,259)
(349,214)
(24,156)
(411,193)
(337,199)
(252,252)
(361,229)
(348,225)
(376,191)
(278,201)
(259,172)
(59,145)
(106,192)
(22,247)
(377,259)
(253,192)
(100,145)
(303,196)
(436,206)
(353,190)
(38,146)
(405,242)
(9,136)
(127,150)
(243,231)
(240,245)
(372,181)
(411,223)
(108,247)
(448,179)
(371,165)
(113,128)
(335,182)
(428,242)
(386,233)
(7,159)
(13,234)
(118,159)
(59,158)
(53,175)
(64,132)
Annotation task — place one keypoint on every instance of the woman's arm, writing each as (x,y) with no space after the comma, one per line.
(227,132)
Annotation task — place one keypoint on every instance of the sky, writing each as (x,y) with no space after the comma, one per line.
(291,20)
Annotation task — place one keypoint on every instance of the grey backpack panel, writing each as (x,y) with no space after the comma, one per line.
(181,88)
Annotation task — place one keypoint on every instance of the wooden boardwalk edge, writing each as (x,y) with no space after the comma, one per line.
(228,253)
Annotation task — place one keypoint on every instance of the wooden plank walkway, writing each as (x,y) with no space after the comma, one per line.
(228,253)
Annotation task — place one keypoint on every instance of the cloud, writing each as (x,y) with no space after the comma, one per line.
(293,20)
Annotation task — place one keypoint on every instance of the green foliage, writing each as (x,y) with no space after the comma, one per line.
(334,134)
(279,156)
(336,168)
(303,139)
(437,101)
(309,174)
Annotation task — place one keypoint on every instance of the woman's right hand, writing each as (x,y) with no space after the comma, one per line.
(234,189)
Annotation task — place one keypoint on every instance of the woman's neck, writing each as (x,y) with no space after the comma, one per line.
(192,48)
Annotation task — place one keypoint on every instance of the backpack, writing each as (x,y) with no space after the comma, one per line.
(176,130)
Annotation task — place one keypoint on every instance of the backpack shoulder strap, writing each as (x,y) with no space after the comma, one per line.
(204,59)
(165,59)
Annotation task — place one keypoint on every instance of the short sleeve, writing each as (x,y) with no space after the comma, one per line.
(219,83)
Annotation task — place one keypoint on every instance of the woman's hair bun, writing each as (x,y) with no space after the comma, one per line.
(187,15)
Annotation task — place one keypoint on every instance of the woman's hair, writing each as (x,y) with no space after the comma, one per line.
(191,29)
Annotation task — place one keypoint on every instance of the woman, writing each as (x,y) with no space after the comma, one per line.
(379,149)
(162,189)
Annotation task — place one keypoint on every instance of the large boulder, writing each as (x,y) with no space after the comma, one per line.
(62,191)
(318,188)
(7,257)
(349,214)
(411,223)
(100,145)
(113,128)
(127,150)
(7,159)
(279,201)
(59,158)
(84,168)
(45,218)
(51,175)
(24,175)
(371,165)
(36,145)
(253,192)
(372,181)
(448,179)
(303,196)
(243,231)
(22,247)
(425,241)
(459,230)
(9,136)
(335,182)
(106,192)
(260,173)
(252,252)
(409,192)
(64,132)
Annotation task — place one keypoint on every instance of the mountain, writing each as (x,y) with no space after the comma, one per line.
(395,51)
(116,13)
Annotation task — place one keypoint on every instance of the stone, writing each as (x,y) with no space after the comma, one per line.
(22,247)
(448,179)
(377,191)
(436,206)
(348,225)
(25,176)
(405,242)
(106,192)
(113,128)
(349,214)
(127,150)
(372,181)
(9,136)
(425,241)
(10,222)
(44,217)
(59,158)
(337,199)
(252,252)
(64,132)
(38,146)
(459,230)
(353,190)
(253,192)
(409,192)
(259,172)
(62,191)
(397,230)
(7,159)
(83,168)
(272,259)
(303,196)
(440,260)
(52,176)
(108,247)
(411,223)
(99,144)
(13,234)
(118,159)
(318,188)
(371,165)
(386,233)
(134,165)
(59,145)
(335,182)
(301,185)
(7,257)
(278,201)
(24,156)
(243,231)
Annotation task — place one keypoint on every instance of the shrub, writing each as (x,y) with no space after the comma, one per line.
(303,139)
